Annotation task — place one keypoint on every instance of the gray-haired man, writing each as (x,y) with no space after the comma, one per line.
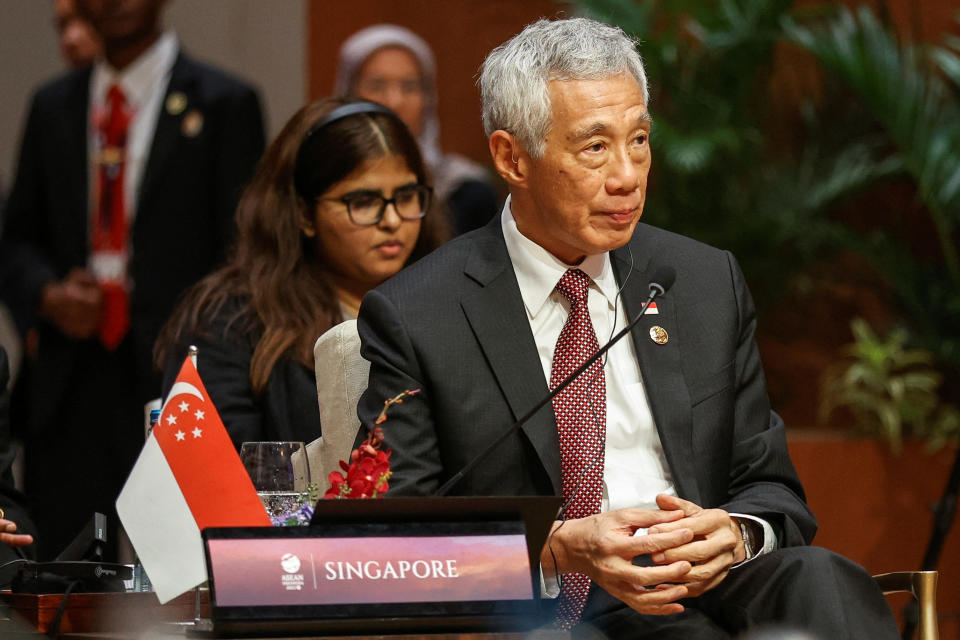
(668,451)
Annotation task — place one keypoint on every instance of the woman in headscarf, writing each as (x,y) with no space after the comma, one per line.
(395,67)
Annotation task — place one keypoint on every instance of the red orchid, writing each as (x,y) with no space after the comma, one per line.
(367,473)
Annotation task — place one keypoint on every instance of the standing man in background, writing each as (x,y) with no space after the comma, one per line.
(79,45)
(128,176)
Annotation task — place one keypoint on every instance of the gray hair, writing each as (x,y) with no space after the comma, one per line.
(514,77)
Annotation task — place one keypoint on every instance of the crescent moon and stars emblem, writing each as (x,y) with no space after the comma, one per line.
(170,417)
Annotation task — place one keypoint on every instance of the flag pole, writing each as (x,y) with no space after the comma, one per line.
(192,352)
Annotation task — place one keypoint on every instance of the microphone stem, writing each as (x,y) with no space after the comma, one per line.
(452,482)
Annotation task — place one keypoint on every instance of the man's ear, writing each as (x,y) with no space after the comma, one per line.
(510,159)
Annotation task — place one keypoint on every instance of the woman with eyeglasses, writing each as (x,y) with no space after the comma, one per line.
(338,204)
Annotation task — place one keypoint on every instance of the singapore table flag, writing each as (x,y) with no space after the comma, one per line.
(188,476)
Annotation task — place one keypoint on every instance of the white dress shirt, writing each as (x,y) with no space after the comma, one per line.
(635,467)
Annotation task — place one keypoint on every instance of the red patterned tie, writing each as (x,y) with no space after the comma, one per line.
(581,412)
(109,234)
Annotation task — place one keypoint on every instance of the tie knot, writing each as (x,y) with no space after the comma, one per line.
(114,123)
(115,97)
(574,286)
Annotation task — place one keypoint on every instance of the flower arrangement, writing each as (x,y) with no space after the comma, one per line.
(368,472)
(302,511)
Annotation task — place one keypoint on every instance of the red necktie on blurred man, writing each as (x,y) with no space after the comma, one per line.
(109,237)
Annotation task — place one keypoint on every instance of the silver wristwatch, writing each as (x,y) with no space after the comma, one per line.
(747,532)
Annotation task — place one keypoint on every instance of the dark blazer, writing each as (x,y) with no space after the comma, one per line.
(184,216)
(454,325)
(286,410)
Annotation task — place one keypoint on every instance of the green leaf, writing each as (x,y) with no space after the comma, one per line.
(914,107)
(891,389)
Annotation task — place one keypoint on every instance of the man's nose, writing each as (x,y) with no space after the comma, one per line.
(623,173)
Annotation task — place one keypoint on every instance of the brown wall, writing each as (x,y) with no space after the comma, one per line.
(875,508)
(461,33)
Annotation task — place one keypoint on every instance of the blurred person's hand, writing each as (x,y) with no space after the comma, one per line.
(73,304)
(9,536)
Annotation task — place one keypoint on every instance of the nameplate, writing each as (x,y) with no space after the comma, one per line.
(368,569)
(411,565)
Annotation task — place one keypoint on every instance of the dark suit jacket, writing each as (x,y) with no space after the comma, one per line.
(184,216)
(454,325)
(287,409)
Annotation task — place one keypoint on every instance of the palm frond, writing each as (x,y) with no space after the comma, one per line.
(914,107)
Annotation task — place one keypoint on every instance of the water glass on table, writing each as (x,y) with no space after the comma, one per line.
(281,475)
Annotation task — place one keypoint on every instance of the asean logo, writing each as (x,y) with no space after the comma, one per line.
(290,563)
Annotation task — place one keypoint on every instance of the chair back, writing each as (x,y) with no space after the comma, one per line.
(341,377)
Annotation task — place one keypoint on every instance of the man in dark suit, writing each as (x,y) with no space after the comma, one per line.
(683,515)
(128,177)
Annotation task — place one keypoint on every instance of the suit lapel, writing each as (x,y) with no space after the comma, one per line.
(76,150)
(660,365)
(499,321)
(167,135)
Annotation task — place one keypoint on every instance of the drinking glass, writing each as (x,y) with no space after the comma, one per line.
(281,475)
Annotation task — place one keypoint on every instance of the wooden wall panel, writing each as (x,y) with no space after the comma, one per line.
(461,33)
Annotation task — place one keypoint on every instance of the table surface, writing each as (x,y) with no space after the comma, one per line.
(119,616)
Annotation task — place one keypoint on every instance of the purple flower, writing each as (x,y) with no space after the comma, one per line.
(296,517)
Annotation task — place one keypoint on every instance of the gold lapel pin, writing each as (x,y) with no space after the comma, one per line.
(176,103)
(658,334)
(192,123)
(110,156)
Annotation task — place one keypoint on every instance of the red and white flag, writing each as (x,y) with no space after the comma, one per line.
(652,309)
(188,476)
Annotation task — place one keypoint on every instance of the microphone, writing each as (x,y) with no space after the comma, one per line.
(660,283)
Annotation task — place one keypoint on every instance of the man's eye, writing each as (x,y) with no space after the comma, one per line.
(596,147)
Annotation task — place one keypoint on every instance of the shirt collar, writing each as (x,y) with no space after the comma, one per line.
(538,271)
(139,77)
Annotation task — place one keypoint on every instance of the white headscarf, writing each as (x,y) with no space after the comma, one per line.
(448,170)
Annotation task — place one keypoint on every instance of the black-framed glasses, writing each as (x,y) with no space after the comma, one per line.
(366,208)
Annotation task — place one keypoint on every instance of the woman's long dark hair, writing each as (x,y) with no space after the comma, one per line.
(273,270)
